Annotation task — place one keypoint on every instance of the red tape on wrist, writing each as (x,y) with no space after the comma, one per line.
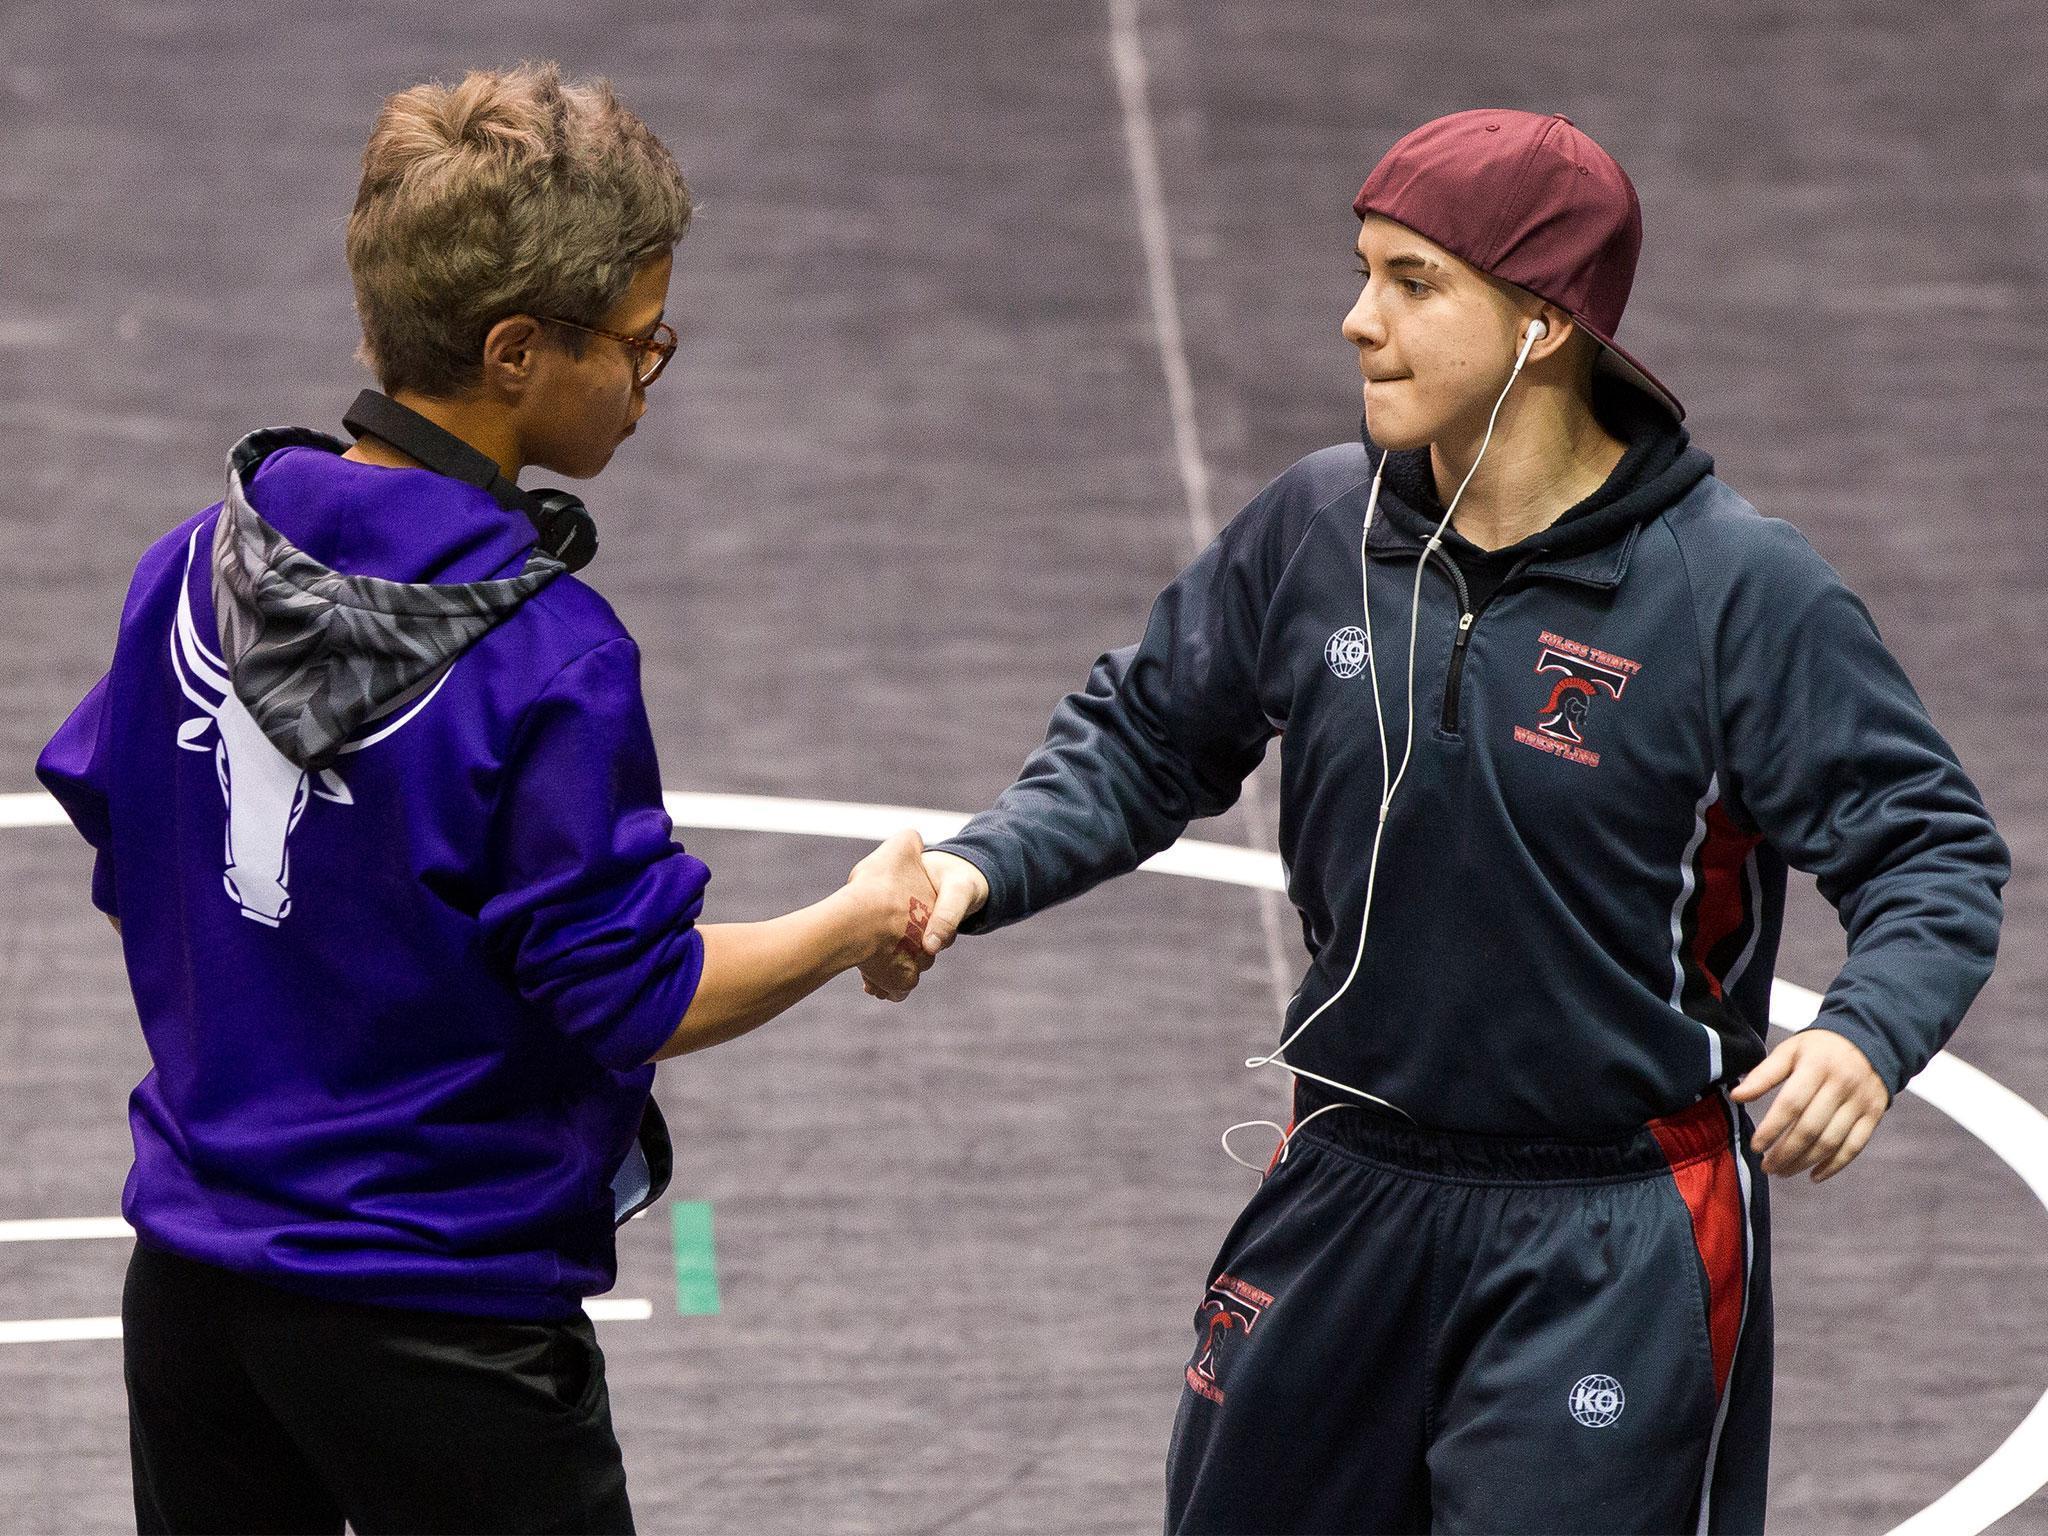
(912,942)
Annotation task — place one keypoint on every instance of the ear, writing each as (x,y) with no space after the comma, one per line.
(512,351)
(1558,330)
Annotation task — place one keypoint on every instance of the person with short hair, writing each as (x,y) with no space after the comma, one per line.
(1559,709)
(377,814)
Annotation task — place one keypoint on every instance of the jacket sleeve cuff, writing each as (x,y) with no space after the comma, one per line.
(995,912)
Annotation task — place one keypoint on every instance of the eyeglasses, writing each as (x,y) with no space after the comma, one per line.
(652,353)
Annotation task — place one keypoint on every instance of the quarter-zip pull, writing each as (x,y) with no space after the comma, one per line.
(1450,716)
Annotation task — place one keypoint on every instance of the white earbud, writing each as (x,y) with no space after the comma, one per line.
(1537,331)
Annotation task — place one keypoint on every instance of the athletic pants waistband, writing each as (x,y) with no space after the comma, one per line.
(1698,1131)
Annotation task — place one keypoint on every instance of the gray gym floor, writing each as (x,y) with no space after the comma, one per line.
(917,464)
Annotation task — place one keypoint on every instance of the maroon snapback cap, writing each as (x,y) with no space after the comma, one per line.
(1532,201)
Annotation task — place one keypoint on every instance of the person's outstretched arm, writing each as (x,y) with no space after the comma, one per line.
(754,971)
(593,908)
(1164,733)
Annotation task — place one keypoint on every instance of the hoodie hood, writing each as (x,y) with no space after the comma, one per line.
(1658,469)
(315,655)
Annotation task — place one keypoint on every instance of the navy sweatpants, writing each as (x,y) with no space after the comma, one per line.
(1410,1331)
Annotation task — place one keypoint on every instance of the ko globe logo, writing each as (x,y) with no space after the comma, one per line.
(1346,651)
(1597,1401)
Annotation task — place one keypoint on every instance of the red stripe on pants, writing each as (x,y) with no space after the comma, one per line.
(1696,1144)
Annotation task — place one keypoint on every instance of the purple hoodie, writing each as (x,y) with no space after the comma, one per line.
(400,995)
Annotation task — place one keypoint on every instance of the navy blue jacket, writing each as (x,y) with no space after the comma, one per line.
(1617,755)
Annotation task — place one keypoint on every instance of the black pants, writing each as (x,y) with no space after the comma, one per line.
(252,1409)
(1408,1331)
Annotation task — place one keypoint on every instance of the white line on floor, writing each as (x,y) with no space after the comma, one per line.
(1127,60)
(59,1330)
(34,809)
(2012,1128)
(852,820)
(63,1229)
(619,1309)
(62,1330)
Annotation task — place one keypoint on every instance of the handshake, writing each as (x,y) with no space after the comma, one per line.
(919,900)
(897,910)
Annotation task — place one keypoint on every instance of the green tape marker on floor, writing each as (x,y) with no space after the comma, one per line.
(696,1261)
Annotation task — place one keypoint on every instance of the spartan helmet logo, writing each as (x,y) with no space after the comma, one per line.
(1230,1311)
(1564,712)
(1218,1317)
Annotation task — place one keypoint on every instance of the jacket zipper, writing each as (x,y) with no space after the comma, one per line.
(1467,617)
(1450,717)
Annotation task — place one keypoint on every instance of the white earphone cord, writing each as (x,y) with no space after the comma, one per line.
(1534,333)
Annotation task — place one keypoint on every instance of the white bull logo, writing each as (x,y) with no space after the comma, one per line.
(266,793)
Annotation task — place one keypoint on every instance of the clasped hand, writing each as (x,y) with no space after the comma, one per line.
(950,890)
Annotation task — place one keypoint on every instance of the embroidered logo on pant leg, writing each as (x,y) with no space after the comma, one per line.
(1597,1401)
(1231,1309)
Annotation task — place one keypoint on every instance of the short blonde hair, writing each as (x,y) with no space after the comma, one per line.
(511,193)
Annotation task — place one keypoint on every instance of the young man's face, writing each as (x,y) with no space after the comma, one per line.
(1435,337)
(581,408)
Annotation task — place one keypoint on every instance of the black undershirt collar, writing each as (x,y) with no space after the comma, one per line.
(1631,493)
